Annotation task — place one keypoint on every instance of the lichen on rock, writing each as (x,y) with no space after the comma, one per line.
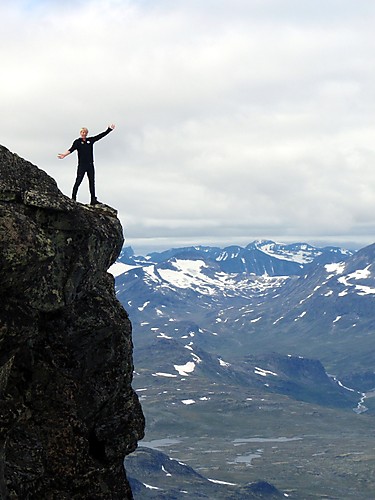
(68,413)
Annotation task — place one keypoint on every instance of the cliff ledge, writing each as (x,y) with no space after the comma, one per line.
(68,413)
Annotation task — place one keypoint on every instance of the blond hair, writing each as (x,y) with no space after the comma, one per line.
(84,129)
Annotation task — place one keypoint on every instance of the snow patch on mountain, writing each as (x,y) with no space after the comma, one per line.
(185,274)
(150,271)
(195,275)
(185,369)
(360,274)
(264,373)
(336,268)
(144,305)
(119,268)
(300,253)
(148,486)
(224,363)
(365,290)
(163,336)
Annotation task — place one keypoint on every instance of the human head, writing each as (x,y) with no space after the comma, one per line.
(83,132)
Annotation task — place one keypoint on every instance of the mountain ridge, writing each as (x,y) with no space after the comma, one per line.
(259,257)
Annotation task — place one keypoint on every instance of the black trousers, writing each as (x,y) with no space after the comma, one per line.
(81,171)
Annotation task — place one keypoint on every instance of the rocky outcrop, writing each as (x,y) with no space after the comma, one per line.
(68,413)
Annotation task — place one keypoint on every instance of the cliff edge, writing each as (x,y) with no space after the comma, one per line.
(68,413)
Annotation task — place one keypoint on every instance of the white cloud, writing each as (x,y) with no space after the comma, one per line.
(235,119)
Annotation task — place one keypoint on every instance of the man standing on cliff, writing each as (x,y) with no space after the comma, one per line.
(85,150)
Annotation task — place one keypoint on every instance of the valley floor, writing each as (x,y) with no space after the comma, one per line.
(305,450)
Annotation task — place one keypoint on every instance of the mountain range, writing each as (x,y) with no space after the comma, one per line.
(221,333)
(248,299)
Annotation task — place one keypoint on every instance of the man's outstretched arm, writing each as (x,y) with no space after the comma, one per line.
(103,134)
(68,151)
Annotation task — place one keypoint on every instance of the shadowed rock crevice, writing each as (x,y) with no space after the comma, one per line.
(68,413)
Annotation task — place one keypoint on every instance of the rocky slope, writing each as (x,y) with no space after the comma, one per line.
(68,413)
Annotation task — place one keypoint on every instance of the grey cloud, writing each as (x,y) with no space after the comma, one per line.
(234,119)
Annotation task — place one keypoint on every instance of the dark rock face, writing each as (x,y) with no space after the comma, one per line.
(68,413)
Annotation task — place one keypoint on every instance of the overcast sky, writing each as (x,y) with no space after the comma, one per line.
(235,119)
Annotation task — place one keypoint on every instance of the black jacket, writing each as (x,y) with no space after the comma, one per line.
(85,149)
